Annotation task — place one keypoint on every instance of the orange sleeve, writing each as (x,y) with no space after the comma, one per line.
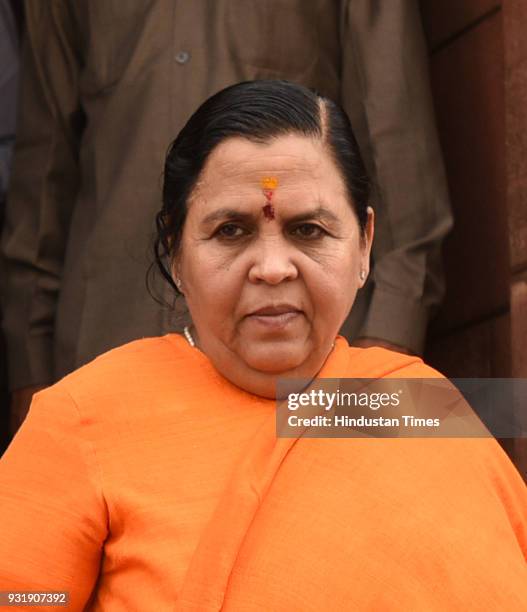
(53,516)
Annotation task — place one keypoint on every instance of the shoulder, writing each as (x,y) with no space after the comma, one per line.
(377,362)
(144,364)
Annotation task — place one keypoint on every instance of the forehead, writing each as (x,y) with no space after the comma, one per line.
(296,162)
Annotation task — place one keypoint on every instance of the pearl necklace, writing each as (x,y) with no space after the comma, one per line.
(188,336)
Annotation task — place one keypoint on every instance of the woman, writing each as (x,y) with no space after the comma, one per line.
(152,478)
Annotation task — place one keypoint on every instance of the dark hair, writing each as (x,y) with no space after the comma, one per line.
(257,111)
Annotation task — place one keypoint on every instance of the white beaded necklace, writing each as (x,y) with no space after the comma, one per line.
(188,336)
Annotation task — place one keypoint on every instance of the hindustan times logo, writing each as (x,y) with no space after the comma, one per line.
(327,401)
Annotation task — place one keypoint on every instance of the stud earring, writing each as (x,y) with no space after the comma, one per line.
(178,284)
(362,274)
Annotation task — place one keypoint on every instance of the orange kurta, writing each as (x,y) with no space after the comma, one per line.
(146,481)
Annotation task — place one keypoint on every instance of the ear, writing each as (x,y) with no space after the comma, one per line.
(366,243)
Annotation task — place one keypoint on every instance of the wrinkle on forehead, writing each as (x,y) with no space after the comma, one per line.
(251,171)
(239,165)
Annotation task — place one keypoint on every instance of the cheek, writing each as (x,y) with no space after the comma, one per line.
(332,280)
(332,293)
(212,283)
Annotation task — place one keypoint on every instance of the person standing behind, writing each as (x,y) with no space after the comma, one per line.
(10,25)
(105,86)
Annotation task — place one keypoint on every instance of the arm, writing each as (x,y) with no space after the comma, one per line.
(43,189)
(385,91)
(53,517)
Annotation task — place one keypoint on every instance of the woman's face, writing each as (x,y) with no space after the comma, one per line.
(270,259)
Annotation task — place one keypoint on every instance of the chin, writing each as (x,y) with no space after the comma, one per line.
(275,361)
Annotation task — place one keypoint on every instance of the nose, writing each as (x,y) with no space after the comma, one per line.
(272,261)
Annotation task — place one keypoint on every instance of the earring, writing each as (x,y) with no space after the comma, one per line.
(178,284)
(362,274)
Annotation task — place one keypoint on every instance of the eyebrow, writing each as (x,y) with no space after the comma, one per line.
(320,213)
(226,213)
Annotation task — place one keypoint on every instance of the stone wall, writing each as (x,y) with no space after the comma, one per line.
(478,67)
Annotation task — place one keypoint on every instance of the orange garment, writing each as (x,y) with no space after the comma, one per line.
(145,481)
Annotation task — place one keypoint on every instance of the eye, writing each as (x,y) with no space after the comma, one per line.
(230,231)
(308,231)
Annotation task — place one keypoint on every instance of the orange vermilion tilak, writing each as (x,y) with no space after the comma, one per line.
(269,184)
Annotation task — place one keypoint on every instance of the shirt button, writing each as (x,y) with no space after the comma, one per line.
(182,57)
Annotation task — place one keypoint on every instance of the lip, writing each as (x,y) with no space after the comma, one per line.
(273,310)
(275,316)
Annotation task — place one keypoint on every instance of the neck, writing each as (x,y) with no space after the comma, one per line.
(260,383)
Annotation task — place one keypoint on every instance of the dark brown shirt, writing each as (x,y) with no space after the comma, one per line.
(106,86)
